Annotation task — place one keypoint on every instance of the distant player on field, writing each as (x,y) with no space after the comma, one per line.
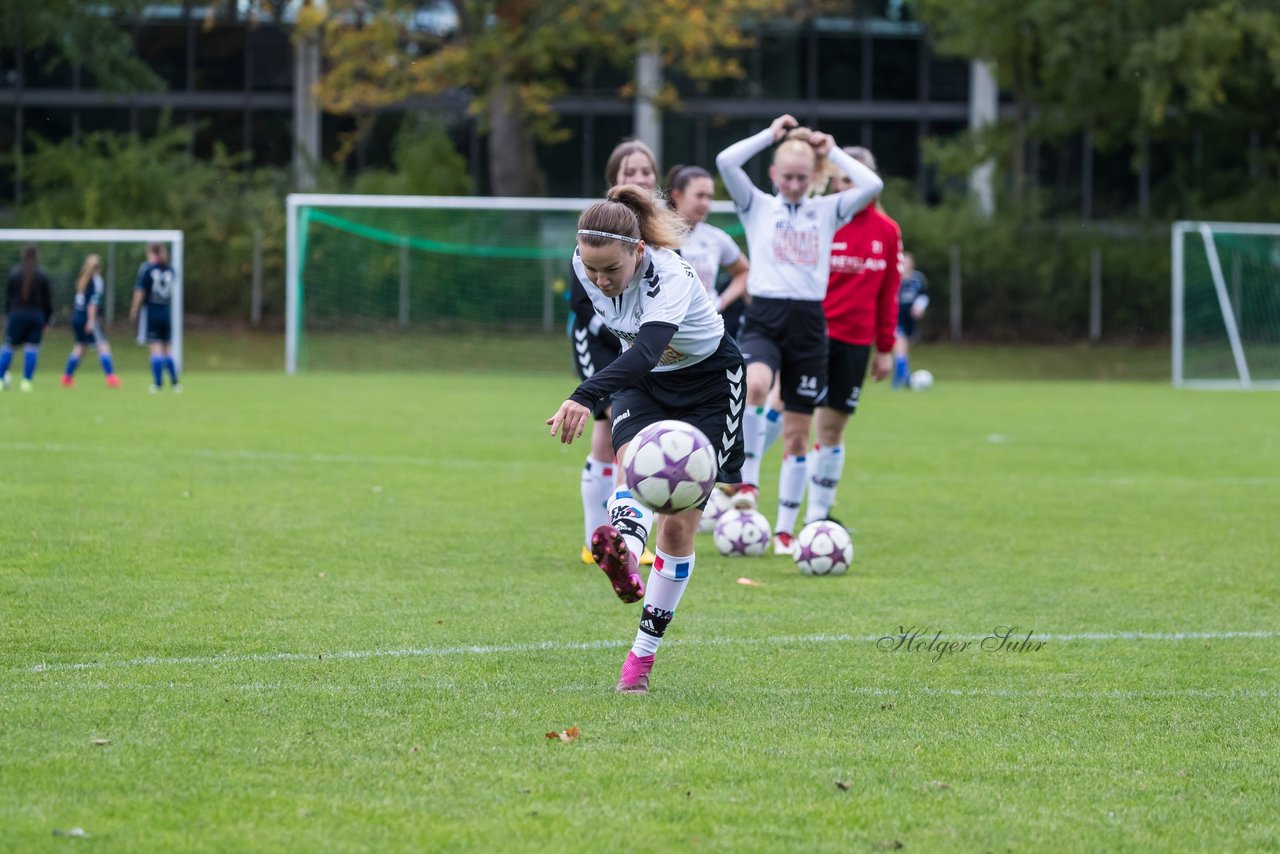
(862,310)
(594,347)
(86,326)
(784,332)
(28,303)
(677,362)
(156,281)
(913,299)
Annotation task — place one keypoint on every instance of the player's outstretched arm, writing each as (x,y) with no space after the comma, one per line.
(866,184)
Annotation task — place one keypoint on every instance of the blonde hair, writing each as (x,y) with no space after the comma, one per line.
(797,143)
(630,210)
(92,264)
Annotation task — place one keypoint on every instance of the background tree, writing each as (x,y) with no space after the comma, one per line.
(512,58)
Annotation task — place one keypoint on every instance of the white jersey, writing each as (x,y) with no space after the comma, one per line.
(790,244)
(665,289)
(707,249)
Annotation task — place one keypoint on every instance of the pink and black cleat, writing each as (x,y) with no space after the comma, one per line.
(618,562)
(634,678)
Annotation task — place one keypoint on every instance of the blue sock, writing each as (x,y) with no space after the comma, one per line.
(900,370)
(73,362)
(6,357)
(29,364)
(157,370)
(173,369)
(107,367)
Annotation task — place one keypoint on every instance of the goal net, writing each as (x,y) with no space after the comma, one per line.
(1226,304)
(395,282)
(62,252)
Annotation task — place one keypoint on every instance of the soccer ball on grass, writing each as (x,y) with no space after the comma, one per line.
(823,548)
(742,532)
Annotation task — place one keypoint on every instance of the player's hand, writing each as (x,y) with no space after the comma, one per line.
(88,327)
(781,125)
(822,144)
(569,421)
(133,317)
(882,366)
(917,313)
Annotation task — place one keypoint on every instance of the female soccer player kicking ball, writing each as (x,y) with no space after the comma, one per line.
(677,362)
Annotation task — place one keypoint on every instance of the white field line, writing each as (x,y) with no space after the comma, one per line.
(564,646)
(249,455)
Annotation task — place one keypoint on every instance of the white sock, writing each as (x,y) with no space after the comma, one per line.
(666,584)
(772,428)
(632,519)
(598,481)
(790,493)
(824,477)
(753,443)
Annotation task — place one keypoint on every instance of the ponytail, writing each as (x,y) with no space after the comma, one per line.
(91,266)
(631,211)
(28,271)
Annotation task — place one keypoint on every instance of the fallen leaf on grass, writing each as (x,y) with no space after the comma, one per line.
(938,784)
(100,742)
(570,734)
(890,845)
(747,582)
(842,785)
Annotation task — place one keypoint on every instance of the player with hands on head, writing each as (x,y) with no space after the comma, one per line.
(784,335)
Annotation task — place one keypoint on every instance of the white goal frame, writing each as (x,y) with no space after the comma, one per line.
(1206,230)
(295,202)
(173,237)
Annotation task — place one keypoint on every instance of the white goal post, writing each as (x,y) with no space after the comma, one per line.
(432,240)
(91,238)
(1225,304)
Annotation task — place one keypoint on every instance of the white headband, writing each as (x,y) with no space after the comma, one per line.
(608,234)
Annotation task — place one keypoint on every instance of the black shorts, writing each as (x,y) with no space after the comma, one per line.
(25,326)
(96,337)
(790,336)
(159,330)
(709,395)
(593,353)
(906,323)
(847,370)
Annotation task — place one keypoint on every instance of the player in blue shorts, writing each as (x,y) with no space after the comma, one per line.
(28,303)
(85,323)
(156,282)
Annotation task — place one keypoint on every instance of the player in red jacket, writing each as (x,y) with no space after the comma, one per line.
(862,311)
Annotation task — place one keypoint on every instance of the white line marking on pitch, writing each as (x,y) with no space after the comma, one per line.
(498,649)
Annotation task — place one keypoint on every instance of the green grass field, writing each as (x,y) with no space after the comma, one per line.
(341,612)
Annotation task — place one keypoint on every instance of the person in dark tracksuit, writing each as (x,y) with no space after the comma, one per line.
(29,305)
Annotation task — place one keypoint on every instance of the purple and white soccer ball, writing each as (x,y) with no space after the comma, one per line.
(823,548)
(670,466)
(716,505)
(742,532)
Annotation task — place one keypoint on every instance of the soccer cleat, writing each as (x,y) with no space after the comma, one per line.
(177,388)
(113,381)
(4,382)
(646,558)
(618,562)
(68,380)
(26,385)
(155,389)
(586,556)
(746,497)
(634,678)
(784,544)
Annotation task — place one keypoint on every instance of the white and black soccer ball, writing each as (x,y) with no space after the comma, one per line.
(920,380)
(670,466)
(716,505)
(823,548)
(742,532)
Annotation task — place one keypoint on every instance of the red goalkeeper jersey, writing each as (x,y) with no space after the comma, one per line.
(862,293)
